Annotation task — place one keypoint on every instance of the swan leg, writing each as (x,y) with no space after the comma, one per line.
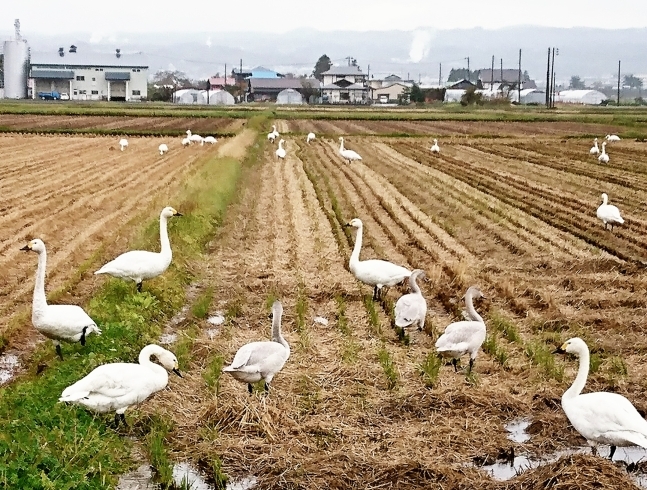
(250,388)
(267,387)
(469,370)
(83,335)
(139,287)
(375,293)
(58,351)
(455,363)
(612,452)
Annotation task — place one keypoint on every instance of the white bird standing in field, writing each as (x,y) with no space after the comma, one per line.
(464,337)
(595,150)
(435,148)
(271,136)
(261,360)
(601,418)
(186,142)
(57,322)
(604,157)
(138,265)
(280,152)
(613,137)
(162,148)
(376,273)
(310,137)
(194,138)
(411,309)
(123,143)
(119,385)
(210,139)
(349,155)
(609,214)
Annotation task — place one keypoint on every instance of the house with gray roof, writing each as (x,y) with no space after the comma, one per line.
(504,79)
(345,85)
(263,89)
(88,75)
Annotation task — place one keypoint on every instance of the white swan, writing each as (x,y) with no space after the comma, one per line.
(604,157)
(162,148)
(601,418)
(613,137)
(349,155)
(57,322)
(595,150)
(280,152)
(186,142)
(310,137)
(138,265)
(210,140)
(123,143)
(194,138)
(609,214)
(261,360)
(435,148)
(411,309)
(119,385)
(376,273)
(464,337)
(271,136)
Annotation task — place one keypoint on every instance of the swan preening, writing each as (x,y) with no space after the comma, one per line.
(594,149)
(349,155)
(57,322)
(280,152)
(612,137)
(464,337)
(273,134)
(376,273)
(310,137)
(138,265)
(162,148)
(411,309)
(604,157)
(120,385)
(261,360)
(435,148)
(123,143)
(601,418)
(609,214)
(210,140)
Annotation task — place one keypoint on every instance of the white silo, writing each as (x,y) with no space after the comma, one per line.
(16,66)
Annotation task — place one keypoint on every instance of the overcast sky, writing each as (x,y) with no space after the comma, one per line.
(106,18)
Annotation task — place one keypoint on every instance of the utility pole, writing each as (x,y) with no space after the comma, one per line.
(440,75)
(519,86)
(501,76)
(492,75)
(225,76)
(552,77)
(553,96)
(469,74)
(548,81)
(618,82)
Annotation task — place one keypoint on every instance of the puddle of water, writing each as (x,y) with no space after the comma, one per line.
(185,473)
(9,364)
(517,429)
(321,320)
(168,338)
(139,479)
(217,319)
(245,483)
(212,332)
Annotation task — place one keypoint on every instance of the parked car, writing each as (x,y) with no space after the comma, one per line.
(54,95)
(65,96)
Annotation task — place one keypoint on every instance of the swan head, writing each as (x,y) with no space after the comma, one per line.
(573,346)
(595,140)
(474,292)
(167,359)
(418,273)
(341,138)
(435,141)
(355,223)
(605,198)
(36,245)
(277,309)
(168,211)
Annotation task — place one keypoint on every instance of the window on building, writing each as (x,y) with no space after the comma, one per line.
(96,69)
(80,78)
(82,92)
(137,92)
(94,79)
(95,92)
(138,70)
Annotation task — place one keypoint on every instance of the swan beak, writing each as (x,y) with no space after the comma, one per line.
(177,371)
(178,214)
(26,247)
(559,350)
(347,225)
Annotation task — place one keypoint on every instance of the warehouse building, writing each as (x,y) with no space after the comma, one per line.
(89,76)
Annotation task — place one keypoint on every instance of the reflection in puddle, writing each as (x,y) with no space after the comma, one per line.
(517,429)
(9,364)
(139,479)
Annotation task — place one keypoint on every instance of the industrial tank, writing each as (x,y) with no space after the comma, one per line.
(16,66)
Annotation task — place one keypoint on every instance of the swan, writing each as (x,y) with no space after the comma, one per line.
(271,136)
(138,265)
(464,337)
(261,360)
(57,322)
(186,142)
(435,148)
(194,138)
(210,139)
(595,150)
(601,418)
(604,157)
(119,385)
(349,155)
(280,153)
(609,214)
(612,137)
(123,143)
(310,137)
(411,309)
(376,273)
(162,148)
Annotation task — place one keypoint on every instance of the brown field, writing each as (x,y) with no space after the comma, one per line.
(76,194)
(515,217)
(43,122)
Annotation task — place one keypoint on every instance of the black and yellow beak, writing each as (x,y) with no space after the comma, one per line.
(178,214)
(177,371)
(26,248)
(560,350)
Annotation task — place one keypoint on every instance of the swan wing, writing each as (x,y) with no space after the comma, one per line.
(65,322)
(252,357)
(461,336)
(380,272)
(410,308)
(110,380)
(136,263)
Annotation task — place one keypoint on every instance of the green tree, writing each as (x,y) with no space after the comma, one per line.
(458,74)
(323,64)
(632,82)
(405,97)
(471,96)
(174,78)
(416,94)
(308,90)
(577,83)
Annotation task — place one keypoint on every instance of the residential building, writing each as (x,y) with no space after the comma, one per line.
(345,85)
(507,79)
(89,76)
(219,83)
(388,89)
(465,84)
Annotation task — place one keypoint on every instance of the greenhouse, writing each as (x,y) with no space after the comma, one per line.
(289,96)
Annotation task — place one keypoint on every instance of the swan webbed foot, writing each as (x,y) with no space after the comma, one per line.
(455,363)
(250,388)
(139,287)
(83,336)
(612,452)
(58,351)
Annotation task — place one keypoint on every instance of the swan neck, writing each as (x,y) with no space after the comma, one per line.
(354,257)
(166,244)
(605,199)
(341,144)
(413,284)
(39,299)
(277,336)
(580,380)
(470,308)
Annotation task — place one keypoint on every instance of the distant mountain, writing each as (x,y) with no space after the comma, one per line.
(589,53)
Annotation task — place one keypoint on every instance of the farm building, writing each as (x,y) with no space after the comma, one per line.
(190,96)
(221,97)
(589,97)
(390,93)
(289,96)
(465,84)
(529,96)
(89,76)
(269,88)
(501,79)
(218,83)
(345,85)
(453,95)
